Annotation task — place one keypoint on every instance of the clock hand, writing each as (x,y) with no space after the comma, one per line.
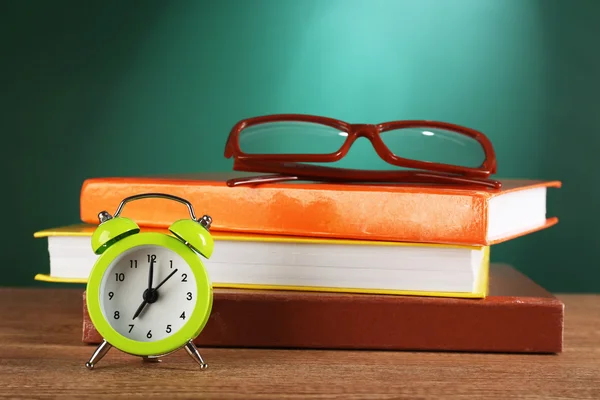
(140,308)
(151,293)
(151,274)
(164,280)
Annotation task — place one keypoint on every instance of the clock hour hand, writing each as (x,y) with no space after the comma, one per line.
(140,308)
(150,275)
(151,295)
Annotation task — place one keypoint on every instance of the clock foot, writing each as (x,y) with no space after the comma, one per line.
(191,349)
(152,359)
(98,354)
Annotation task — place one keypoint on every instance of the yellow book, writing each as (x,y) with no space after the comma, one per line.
(299,263)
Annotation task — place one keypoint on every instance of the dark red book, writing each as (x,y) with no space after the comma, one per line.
(518,316)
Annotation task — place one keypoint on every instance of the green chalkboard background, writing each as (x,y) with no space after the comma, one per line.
(86,85)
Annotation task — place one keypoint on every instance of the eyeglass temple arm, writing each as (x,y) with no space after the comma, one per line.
(298,168)
(252,180)
(386,176)
(300,171)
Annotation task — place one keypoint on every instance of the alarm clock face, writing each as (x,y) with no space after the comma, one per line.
(148,293)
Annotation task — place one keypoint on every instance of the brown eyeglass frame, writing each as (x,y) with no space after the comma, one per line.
(289,167)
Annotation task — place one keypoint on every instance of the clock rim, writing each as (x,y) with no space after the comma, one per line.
(190,330)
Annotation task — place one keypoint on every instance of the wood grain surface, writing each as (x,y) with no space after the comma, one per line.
(41,356)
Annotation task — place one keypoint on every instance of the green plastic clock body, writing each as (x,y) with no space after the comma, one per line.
(188,331)
(112,231)
(198,239)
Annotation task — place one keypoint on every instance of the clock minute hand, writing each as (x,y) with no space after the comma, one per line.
(164,280)
(150,274)
(141,307)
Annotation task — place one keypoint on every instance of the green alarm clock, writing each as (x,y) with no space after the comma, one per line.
(149,294)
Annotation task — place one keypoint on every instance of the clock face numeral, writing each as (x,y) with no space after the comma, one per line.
(125,282)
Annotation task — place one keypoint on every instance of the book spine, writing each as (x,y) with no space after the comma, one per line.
(395,215)
(254,320)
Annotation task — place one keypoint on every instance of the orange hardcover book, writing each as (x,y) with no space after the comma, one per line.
(408,213)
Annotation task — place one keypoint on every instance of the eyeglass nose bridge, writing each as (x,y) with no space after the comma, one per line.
(368,131)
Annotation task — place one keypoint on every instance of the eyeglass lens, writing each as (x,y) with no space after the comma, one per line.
(415,143)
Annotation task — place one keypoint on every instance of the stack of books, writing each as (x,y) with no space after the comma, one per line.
(343,266)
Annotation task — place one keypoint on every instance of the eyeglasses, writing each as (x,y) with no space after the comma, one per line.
(427,152)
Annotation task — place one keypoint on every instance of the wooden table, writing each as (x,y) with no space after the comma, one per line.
(41,355)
